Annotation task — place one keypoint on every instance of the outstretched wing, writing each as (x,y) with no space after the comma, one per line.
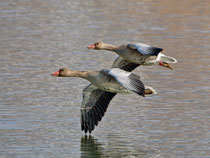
(128,80)
(145,49)
(124,64)
(94,105)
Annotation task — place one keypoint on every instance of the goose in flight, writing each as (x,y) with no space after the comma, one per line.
(105,84)
(136,54)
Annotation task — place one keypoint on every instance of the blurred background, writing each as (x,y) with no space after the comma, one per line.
(40,114)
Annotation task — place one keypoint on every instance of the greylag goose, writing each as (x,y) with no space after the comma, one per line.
(134,55)
(105,85)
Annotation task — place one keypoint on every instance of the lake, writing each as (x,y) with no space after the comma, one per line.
(40,114)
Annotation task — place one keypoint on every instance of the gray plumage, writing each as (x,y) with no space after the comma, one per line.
(135,54)
(128,80)
(97,97)
(94,105)
(145,49)
(123,64)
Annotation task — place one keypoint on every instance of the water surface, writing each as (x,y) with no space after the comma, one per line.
(40,114)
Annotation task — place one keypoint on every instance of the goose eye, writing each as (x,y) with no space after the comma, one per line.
(96,44)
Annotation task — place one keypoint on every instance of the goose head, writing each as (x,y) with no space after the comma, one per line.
(97,45)
(63,72)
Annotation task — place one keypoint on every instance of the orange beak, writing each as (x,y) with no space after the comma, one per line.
(55,73)
(91,46)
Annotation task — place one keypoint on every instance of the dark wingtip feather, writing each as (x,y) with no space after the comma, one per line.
(137,85)
(154,51)
(140,92)
(91,117)
(130,67)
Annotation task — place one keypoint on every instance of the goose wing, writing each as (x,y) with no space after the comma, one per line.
(94,105)
(145,49)
(124,64)
(128,80)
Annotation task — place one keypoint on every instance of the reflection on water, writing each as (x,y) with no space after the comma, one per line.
(115,146)
(40,114)
(90,147)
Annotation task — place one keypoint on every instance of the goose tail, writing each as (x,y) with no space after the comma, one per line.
(149,90)
(167,59)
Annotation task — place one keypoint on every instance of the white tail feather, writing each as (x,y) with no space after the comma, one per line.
(164,58)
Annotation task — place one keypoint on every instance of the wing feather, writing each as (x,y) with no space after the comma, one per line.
(145,49)
(124,64)
(129,80)
(94,105)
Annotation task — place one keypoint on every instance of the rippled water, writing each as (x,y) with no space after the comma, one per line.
(40,114)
